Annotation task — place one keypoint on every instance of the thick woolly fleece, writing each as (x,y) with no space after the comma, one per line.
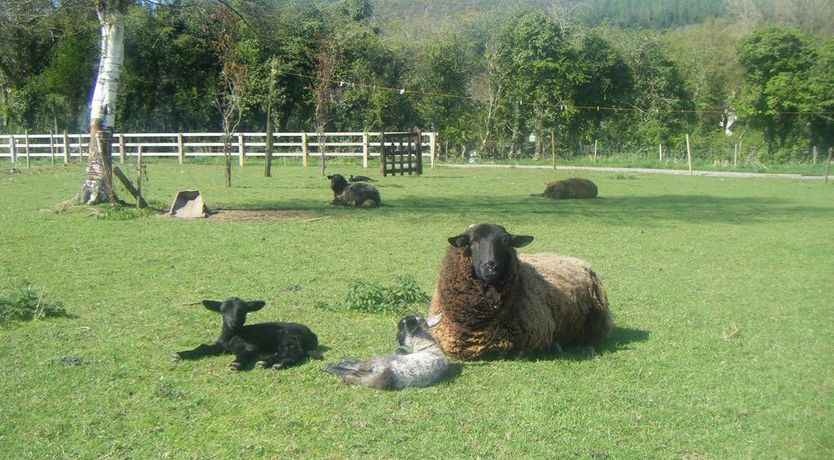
(543,299)
(575,187)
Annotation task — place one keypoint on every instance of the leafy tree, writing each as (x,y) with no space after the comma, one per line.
(605,80)
(442,73)
(776,60)
(534,63)
(662,107)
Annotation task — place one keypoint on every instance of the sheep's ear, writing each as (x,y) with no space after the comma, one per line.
(460,241)
(212,305)
(255,305)
(330,177)
(519,241)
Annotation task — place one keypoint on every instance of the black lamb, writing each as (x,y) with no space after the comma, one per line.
(283,344)
(360,179)
(357,195)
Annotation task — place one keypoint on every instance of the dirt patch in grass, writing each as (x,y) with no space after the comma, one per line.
(262,214)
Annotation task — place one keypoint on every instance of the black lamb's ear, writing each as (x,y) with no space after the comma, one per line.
(212,305)
(519,241)
(255,305)
(330,177)
(460,241)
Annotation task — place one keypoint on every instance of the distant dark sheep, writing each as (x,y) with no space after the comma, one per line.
(285,344)
(575,187)
(360,179)
(493,302)
(424,366)
(357,195)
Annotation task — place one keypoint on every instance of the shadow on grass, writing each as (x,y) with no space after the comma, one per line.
(617,210)
(634,210)
(619,339)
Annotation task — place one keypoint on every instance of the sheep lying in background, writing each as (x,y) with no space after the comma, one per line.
(357,195)
(575,187)
(360,179)
(285,344)
(494,302)
(424,366)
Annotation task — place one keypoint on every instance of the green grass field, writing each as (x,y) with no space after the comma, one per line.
(721,290)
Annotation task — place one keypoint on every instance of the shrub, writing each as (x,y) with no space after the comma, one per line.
(25,305)
(401,297)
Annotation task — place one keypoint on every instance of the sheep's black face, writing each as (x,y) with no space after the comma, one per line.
(234,310)
(491,249)
(337,183)
(408,328)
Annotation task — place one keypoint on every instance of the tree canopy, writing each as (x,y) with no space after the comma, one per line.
(483,73)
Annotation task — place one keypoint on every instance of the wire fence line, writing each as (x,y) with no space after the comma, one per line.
(66,147)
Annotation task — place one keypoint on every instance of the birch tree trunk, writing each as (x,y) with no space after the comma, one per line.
(98,183)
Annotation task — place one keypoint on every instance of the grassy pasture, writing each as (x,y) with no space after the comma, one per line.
(721,289)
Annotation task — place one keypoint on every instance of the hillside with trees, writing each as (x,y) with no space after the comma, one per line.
(484,74)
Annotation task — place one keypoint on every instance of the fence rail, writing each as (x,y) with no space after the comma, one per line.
(64,147)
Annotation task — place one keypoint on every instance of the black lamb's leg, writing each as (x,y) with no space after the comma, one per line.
(242,357)
(291,353)
(206,349)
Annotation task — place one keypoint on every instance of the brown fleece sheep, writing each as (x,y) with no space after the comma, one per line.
(357,195)
(575,187)
(493,302)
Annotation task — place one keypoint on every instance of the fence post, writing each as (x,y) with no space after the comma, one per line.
(13,149)
(815,155)
(139,173)
(28,161)
(828,163)
(305,152)
(688,154)
(121,148)
(660,152)
(180,148)
(51,147)
(595,150)
(66,148)
(240,148)
(80,151)
(365,150)
(433,147)
(553,146)
(735,155)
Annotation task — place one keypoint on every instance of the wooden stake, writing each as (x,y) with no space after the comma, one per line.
(51,148)
(13,148)
(815,155)
(689,154)
(180,148)
(66,148)
(595,150)
(28,161)
(240,148)
(553,146)
(365,147)
(828,163)
(432,147)
(660,152)
(305,149)
(122,148)
(130,188)
(735,155)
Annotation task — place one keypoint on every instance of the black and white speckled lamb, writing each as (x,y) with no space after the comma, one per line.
(424,366)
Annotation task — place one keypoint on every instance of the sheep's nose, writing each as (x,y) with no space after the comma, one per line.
(488,267)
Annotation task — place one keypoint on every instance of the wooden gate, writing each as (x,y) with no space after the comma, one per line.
(401,153)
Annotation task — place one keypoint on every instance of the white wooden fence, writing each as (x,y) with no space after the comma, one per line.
(64,147)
